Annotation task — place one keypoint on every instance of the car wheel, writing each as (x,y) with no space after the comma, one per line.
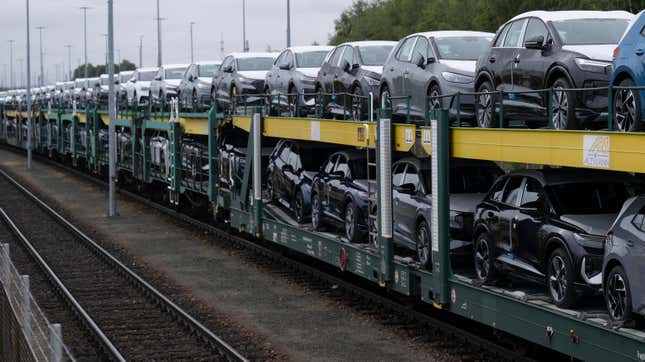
(559,278)
(563,105)
(434,102)
(162,103)
(484,254)
(196,107)
(424,253)
(299,208)
(358,104)
(627,108)
(321,107)
(268,100)
(233,99)
(485,106)
(294,103)
(351,222)
(386,100)
(618,296)
(316,213)
(134,102)
(270,189)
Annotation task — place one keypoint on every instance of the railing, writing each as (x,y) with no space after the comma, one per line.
(27,334)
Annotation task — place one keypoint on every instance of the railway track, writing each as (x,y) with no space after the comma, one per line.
(125,317)
(464,338)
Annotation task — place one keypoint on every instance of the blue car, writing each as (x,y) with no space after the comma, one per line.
(629,71)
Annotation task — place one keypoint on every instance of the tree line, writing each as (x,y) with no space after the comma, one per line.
(394,19)
(98,69)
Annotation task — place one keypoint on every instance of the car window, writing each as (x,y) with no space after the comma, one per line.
(294,161)
(342,166)
(422,46)
(639,219)
(643,31)
(259,63)
(288,58)
(512,39)
(589,197)
(348,55)
(397,174)
(227,62)
(374,55)
(207,70)
(533,194)
(534,29)
(590,31)
(330,164)
(284,153)
(336,57)
(405,51)
(311,59)
(281,58)
(512,191)
(500,37)
(498,190)
(411,176)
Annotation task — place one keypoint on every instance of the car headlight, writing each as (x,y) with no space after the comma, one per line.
(589,241)
(594,66)
(372,82)
(245,80)
(457,78)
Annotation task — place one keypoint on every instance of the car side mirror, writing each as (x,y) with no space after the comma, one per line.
(284,66)
(355,66)
(338,175)
(228,69)
(345,66)
(158,77)
(287,168)
(431,60)
(536,42)
(419,60)
(408,188)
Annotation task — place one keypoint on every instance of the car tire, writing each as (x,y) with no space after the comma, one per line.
(268,100)
(618,296)
(299,208)
(484,257)
(351,222)
(386,100)
(433,101)
(358,105)
(423,247)
(271,188)
(232,99)
(560,276)
(627,108)
(316,213)
(295,109)
(485,106)
(563,105)
(196,103)
(321,106)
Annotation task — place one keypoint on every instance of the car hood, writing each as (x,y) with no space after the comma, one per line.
(253,74)
(309,175)
(374,69)
(466,67)
(309,72)
(362,184)
(142,83)
(465,202)
(597,51)
(173,82)
(596,224)
(205,80)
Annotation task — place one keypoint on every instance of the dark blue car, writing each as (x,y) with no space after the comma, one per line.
(629,71)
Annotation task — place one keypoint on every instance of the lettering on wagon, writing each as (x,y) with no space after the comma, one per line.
(596,151)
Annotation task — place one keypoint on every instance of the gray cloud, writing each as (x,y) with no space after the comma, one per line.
(312,20)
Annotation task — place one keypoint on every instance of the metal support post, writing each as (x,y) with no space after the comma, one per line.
(112,116)
(26,308)
(213,159)
(174,134)
(56,342)
(6,325)
(385,195)
(257,171)
(440,209)
(29,115)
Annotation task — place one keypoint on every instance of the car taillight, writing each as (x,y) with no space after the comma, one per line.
(610,236)
(616,51)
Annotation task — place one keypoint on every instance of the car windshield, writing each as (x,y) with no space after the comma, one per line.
(374,54)
(583,198)
(591,31)
(310,59)
(358,169)
(175,73)
(147,76)
(208,70)
(463,47)
(125,77)
(244,64)
(104,81)
(471,179)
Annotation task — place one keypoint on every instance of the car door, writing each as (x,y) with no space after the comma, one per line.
(337,186)
(528,221)
(291,173)
(341,78)
(283,74)
(328,70)
(398,217)
(409,203)
(225,78)
(508,213)
(419,77)
(325,183)
(185,86)
(272,75)
(282,165)
(530,67)
(398,73)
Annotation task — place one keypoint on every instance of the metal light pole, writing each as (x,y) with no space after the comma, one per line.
(12,83)
(106,50)
(140,51)
(22,73)
(29,118)
(159,19)
(85,8)
(112,115)
(192,47)
(244,49)
(42,68)
(69,61)
(288,23)
(4,77)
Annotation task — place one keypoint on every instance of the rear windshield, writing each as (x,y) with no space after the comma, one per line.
(175,73)
(462,48)
(471,179)
(359,169)
(375,55)
(208,70)
(244,64)
(310,59)
(589,197)
(591,31)
(147,76)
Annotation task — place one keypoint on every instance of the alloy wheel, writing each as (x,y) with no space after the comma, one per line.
(434,100)
(485,109)
(617,296)
(558,278)
(625,109)
(482,259)
(349,221)
(315,213)
(357,106)
(298,209)
(560,107)
(423,245)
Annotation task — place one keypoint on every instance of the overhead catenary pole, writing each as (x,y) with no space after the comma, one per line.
(288,23)
(85,8)
(69,61)
(106,50)
(244,47)
(159,53)
(140,51)
(42,67)
(29,115)
(192,47)
(12,82)
(112,115)
(22,72)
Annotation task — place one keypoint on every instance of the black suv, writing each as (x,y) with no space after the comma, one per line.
(541,49)
(550,224)
(339,193)
(292,168)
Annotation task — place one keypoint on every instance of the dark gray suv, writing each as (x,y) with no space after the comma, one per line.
(425,66)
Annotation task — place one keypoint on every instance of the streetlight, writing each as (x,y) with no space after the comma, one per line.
(22,75)
(112,114)
(159,19)
(288,23)
(11,76)
(42,71)
(140,51)
(244,47)
(192,49)
(69,60)
(85,8)
(106,49)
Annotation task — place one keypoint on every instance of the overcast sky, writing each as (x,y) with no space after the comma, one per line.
(312,20)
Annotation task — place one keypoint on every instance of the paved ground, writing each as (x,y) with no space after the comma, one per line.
(296,323)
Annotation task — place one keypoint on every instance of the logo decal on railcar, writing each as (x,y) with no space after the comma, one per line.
(596,151)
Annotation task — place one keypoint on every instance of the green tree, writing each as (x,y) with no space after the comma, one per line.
(97,70)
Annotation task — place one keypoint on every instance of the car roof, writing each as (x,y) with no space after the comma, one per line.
(310,48)
(209,62)
(575,14)
(426,162)
(126,72)
(171,66)
(104,75)
(553,176)
(148,69)
(453,33)
(369,43)
(253,55)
